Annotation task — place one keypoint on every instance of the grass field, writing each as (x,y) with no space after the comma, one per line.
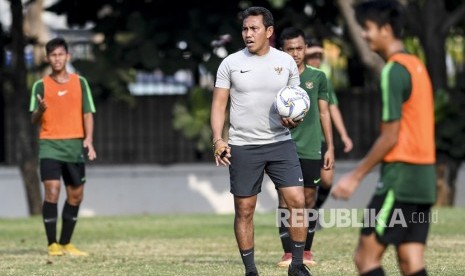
(202,245)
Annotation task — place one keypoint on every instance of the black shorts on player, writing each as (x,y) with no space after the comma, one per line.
(311,172)
(73,173)
(403,223)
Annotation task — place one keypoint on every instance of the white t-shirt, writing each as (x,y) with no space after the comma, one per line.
(254,82)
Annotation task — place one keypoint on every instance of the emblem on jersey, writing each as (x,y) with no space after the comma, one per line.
(309,84)
(278,70)
(62,92)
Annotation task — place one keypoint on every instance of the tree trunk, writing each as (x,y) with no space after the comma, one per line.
(25,148)
(371,60)
(2,97)
(34,27)
(447,171)
(433,41)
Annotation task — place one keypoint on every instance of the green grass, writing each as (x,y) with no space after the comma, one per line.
(202,245)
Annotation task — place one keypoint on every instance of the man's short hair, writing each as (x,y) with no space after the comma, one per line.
(268,20)
(381,12)
(290,33)
(56,43)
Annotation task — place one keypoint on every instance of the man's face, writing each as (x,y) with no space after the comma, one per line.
(374,35)
(256,35)
(296,48)
(58,58)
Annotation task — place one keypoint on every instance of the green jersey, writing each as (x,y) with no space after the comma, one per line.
(307,135)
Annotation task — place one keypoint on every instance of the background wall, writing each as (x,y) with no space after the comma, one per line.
(185,188)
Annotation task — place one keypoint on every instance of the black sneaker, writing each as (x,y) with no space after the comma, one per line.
(252,273)
(299,270)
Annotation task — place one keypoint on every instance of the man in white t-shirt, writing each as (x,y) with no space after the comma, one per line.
(259,139)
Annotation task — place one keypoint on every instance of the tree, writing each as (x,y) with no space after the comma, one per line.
(25,148)
(149,35)
(432,21)
(371,60)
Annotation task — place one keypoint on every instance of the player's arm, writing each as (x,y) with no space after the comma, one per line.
(325,118)
(395,91)
(217,118)
(88,108)
(384,143)
(36,116)
(89,134)
(37,104)
(336,117)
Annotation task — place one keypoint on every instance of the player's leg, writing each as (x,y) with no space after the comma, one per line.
(246,175)
(295,199)
(311,174)
(310,196)
(326,182)
(327,177)
(74,178)
(374,236)
(284,170)
(368,255)
(411,259)
(410,252)
(244,230)
(284,236)
(50,173)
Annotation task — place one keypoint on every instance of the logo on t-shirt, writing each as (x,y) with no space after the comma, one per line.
(309,84)
(62,92)
(278,70)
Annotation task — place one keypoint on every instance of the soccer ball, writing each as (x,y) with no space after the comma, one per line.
(292,102)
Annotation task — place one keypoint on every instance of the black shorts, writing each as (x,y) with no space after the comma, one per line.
(72,173)
(311,170)
(249,163)
(400,223)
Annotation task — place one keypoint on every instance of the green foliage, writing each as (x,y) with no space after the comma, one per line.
(145,35)
(192,118)
(413,46)
(450,123)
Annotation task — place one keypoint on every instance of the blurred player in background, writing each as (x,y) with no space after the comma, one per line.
(314,55)
(313,155)
(405,148)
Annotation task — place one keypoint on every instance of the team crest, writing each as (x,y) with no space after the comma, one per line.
(309,84)
(278,70)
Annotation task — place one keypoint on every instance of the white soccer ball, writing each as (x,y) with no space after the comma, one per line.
(292,102)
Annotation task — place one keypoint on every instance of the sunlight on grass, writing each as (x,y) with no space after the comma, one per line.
(202,245)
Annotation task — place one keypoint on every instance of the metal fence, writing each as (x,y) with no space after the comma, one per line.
(143,134)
